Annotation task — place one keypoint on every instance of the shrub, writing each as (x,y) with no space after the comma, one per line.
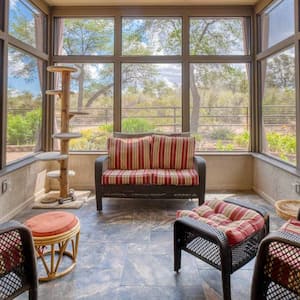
(222,134)
(242,139)
(22,129)
(134,125)
(221,147)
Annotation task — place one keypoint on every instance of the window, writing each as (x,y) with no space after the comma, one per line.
(78,36)
(24,104)
(26,23)
(151,36)
(279,105)
(219,36)
(150,90)
(277,23)
(151,98)
(219,117)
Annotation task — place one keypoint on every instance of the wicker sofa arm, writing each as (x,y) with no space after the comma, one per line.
(298,217)
(200,166)
(258,289)
(101,165)
(21,237)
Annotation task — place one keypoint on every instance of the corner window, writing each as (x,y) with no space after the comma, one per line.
(279,106)
(24,104)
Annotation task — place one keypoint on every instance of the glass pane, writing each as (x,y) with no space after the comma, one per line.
(151,36)
(24,104)
(151,98)
(78,36)
(279,106)
(219,106)
(26,23)
(219,36)
(92,99)
(277,23)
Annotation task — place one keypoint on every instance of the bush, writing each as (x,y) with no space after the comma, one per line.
(281,143)
(222,134)
(222,147)
(22,129)
(135,125)
(242,139)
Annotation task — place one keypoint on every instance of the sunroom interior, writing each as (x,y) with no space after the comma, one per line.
(227,72)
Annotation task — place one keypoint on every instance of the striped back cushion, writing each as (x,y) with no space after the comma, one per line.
(292,226)
(129,154)
(173,152)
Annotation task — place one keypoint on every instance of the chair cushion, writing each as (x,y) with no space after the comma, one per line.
(129,153)
(51,223)
(174,177)
(291,226)
(235,221)
(172,152)
(283,260)
(142,176)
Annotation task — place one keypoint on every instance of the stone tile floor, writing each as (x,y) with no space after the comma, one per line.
(126,252)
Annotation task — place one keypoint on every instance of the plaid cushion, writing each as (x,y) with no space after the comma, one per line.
(235,221)
(292,226)
(142,176)
(175,177)
(173,152)
(129,154)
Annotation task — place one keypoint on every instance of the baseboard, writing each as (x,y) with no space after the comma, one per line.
(22,206)
(264,195)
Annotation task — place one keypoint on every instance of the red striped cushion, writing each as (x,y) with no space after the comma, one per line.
(142,176)
(292,226)
(130,153)
(173,152)
(235,221)
(175,177)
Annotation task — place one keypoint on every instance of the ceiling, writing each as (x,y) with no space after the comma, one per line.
(147,2)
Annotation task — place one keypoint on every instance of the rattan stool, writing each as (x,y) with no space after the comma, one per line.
(54,230)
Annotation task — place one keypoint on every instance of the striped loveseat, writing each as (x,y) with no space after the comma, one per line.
(150,166)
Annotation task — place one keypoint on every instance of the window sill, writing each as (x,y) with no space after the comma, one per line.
(278,164)
(18,165)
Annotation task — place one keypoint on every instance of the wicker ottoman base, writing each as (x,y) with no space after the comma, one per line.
(51,238)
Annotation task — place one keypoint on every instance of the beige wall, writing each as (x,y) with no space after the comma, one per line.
(223,171)
(24,185)
(272,182)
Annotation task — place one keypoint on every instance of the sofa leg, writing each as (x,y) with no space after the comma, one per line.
(99,203)
(177,248)
(226,285)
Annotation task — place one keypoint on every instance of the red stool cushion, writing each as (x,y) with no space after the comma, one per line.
(235,221)
(51,223)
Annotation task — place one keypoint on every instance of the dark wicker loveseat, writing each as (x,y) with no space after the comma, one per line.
(159,182)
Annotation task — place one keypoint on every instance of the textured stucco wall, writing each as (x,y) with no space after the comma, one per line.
(24,185)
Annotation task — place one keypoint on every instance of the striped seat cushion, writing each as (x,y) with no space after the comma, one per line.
(129,153)
(175,177)
(172,152)
(112,176)
(235,221)
(283,260)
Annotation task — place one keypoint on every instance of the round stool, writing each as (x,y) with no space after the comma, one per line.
(54,230)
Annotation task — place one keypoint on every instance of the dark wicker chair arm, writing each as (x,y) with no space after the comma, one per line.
(282,237)
(201,229)
(200,166)
(298,217)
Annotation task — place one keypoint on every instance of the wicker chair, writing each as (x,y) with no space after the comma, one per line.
(17,261)
(214,247)
(277,269)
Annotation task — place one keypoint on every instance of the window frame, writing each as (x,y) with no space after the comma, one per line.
(260,55)
(185,59)
(7,40)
